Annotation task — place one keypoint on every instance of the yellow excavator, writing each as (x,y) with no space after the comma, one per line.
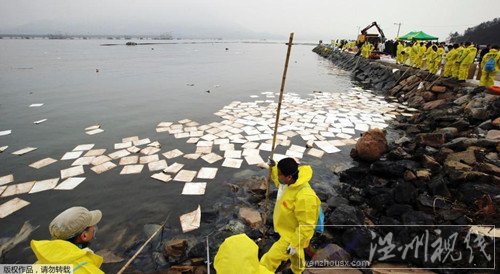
(374,39)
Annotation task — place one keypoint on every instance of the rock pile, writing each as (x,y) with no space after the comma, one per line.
(442,170)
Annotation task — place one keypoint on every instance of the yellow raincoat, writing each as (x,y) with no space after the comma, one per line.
(456,66)
(239,254)
(399,56)
(488,78)
(63,252)
(295,217)
(467,58)
(451,56)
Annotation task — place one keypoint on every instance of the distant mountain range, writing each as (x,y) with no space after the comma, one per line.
(482,34)
(135,28)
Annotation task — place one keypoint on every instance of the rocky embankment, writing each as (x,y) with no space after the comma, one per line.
(443,170)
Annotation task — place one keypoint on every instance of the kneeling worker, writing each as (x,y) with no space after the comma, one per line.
(71,231)
(295,215)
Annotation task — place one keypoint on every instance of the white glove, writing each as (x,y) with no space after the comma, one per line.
(290,250)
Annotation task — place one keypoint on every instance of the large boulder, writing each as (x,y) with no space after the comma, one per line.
(434,104)
(346,215)
(175,248)
(371,146)
(251,217)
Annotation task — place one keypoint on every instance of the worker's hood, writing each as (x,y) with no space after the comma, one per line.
(305,175)
(61,252)
(238,254)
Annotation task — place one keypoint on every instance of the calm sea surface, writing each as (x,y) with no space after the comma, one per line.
(136,88)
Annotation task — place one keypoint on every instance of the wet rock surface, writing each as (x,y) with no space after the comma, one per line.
(442,170)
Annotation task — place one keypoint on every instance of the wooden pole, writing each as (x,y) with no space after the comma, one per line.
(142,247)
(266,204)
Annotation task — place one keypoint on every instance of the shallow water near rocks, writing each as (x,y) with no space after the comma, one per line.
(135,89)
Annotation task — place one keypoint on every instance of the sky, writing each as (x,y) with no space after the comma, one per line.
(253,19)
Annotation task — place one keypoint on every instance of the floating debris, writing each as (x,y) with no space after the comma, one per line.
(119,154)
(130,139)
(12,206)
(157,165)
(129,160)
(148,159)
(24,151)
(211,158)
(44,185)
(17,189)
(185,176)
(84,147)
(71,172)
(133,149)
(100,160)
(203,150)
(232,163)
(39,121)
(194,189)
(236,154)
(71,155)
(162,177)
(103,167)
(123,145)
(191,221)
(70,183)
(95,131)
(253,159)
(141,142)
(173,168)
(192,156)
(150,150)
(83,161)
(5,132)
(172,153)
(95,152)
(6,179)
(94,127)
(315,152)
(132,169)
(207,173)
(43,163)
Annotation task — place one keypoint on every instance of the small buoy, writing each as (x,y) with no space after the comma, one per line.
(494,90)
(152,48)
(96,70)
(227,48)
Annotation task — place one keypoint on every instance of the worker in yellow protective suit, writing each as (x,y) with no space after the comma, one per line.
(414,54)
(450,58)
(72,231)
(437,61)
(456,67)
(399,48)
(295,215)
(466,60)
(421,54)
(406,55)
(431,54)
(366,49)
(488,75)
(239,254)
(428,57)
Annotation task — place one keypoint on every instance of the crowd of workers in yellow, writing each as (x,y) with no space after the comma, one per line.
(454,60)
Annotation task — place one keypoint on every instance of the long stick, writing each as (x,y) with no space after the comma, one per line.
(266,204)
(142,247)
